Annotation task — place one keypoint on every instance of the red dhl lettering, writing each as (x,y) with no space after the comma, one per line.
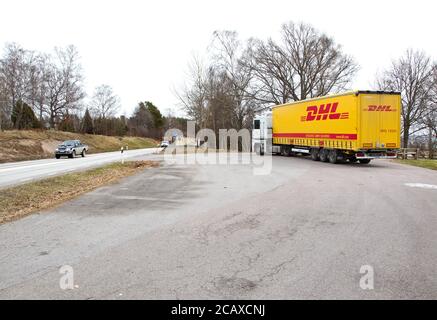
(379,108)
(324,112)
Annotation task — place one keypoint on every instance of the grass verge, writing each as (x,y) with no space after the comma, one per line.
(20,201)
(423,163)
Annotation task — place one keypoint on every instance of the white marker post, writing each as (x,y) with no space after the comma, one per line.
(122,155)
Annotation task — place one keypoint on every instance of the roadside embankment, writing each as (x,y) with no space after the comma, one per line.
(19,145)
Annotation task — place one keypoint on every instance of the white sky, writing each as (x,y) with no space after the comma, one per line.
(141,48)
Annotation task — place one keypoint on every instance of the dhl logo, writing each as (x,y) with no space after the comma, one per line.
(324,112)
(379,108)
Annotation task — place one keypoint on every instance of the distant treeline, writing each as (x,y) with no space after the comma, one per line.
(39,91)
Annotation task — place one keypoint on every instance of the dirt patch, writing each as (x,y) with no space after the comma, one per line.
(231,287)
(49,146)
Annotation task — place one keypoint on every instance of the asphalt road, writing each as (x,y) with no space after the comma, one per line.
(215,231)
(24,171)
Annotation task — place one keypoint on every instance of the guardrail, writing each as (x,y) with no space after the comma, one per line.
(414,153)
(408,153)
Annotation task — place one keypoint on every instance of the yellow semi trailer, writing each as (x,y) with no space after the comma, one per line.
(353,126)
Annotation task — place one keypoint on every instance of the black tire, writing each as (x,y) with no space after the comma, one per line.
(332,156)
(73,155)
(323,155)
(364,161)
(314,154)
(83,153)
(288,152)
(57,157)
(353,160)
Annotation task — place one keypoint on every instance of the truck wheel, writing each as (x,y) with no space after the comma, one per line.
(288,152)
(323,155)
(364,161)
(72,155)
(314,154)
(332,156)
(83,153)
(353,160)
(57,157)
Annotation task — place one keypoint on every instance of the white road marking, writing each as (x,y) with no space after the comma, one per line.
(421,185)
(38,169)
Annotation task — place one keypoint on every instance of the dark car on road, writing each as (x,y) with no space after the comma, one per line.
(71,148)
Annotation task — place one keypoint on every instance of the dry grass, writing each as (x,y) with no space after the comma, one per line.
(17,202)
(18,145)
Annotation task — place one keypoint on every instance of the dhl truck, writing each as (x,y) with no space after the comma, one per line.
(353,126)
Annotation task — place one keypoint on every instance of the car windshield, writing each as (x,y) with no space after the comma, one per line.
(68,143)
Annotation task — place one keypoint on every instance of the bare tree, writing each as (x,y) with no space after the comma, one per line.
(242,78)
(38,85)
(193,95)
(4,108)
(430,120)
(228,58)
(15,70)
(412,75)
(303,65)
(104,102)
(63,83)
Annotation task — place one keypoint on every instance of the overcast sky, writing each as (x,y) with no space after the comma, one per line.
(141,48)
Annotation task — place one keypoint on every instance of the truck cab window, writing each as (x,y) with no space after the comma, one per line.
(256,124)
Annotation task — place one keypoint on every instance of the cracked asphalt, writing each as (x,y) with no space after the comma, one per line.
(221,232)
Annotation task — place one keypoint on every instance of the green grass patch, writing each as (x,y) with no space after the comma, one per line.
(19,201)
(423,163)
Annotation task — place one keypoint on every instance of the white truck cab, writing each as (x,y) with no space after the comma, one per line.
(262,134)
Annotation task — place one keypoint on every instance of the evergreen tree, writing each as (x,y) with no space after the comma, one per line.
(141,121)
(23,117)
(87,123)
(158,120)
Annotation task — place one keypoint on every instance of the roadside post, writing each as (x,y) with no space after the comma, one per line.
(122,155)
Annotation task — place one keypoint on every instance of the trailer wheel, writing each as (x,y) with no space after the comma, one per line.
(364,161)
(332,156)
(323,155)
(314,154)
(288,151)
(285,151)
(353,159)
